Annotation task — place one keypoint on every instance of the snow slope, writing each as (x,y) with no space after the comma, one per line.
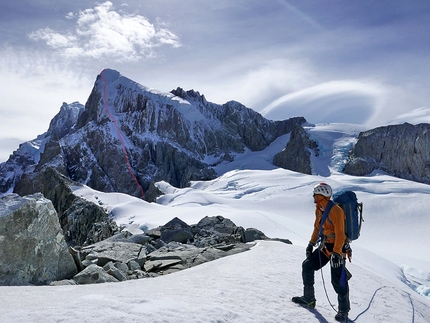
(255,286)
(390,259)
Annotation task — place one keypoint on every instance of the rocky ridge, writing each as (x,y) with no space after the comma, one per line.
(166,136)
(399,150)
(169,248)
(179,137)
(34,251)
(297,154)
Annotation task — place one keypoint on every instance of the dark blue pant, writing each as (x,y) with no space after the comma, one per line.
(316,261)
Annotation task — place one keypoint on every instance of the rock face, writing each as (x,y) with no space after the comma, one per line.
(27,157)
(297,156)
(32,245)
(399,150)
(127,136)
(82,222)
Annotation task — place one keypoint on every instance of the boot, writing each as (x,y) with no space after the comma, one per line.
(341,317)
(309,292)
(308,299)
(302,301)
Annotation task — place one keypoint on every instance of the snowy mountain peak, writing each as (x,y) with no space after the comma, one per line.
(110,75)
(66,119)
(128,136)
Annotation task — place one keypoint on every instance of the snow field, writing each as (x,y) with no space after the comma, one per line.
(254,286)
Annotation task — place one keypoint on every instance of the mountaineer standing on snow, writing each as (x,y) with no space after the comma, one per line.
(332,249)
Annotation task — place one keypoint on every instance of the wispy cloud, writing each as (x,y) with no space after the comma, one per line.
(34,86)
(103,32)
(419,115)
(333,101)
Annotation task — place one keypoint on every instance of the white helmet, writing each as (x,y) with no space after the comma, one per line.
(323,189)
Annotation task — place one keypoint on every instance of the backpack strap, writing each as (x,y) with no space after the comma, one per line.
(325,217)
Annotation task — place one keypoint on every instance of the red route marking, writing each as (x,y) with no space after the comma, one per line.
(119,135)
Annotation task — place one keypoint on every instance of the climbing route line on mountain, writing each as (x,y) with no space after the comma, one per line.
(119,136)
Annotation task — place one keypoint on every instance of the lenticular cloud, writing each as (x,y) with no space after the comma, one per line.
(103,32)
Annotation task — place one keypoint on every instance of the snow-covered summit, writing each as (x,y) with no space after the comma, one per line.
(128,136)
(25,159)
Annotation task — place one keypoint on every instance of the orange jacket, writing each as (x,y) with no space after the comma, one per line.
(334,231)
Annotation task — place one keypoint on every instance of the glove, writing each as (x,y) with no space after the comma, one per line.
(309,249)
(348,251)
(336,260)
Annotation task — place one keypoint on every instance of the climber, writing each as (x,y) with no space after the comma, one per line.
(333,248)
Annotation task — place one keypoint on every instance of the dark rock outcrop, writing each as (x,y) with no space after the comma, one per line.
(32,245)
(399,150)
(297,156)
(125,256)
(83,222)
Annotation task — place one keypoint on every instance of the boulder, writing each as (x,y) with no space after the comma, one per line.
(116,272)
(82,221)
(115,251)
(64,282)
(216,230)
(252,234)
(176,256)
(176,230)
(133,265)
(125,236)
(94,274)
(32,245)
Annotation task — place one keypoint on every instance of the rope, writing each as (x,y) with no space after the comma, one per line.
(396,289)
(323,281)
(120,136)
(372,298)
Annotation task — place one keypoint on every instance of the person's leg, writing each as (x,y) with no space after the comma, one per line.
(340,284)
(314,262)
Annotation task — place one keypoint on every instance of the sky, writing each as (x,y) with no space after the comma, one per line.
(257,285)
(360,62)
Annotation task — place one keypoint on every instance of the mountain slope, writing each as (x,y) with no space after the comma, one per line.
(129,137)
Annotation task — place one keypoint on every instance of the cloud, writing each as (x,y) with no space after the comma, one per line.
(335,101)
(416,116)
(34,86)
(54,39)
(253,79)
(101,32)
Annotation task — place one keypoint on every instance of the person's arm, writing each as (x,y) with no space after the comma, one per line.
(314,236)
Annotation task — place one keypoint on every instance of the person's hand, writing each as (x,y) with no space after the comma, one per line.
(336,260)
(348,251)
(309,249)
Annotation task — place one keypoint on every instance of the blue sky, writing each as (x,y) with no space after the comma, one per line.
(362,62)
